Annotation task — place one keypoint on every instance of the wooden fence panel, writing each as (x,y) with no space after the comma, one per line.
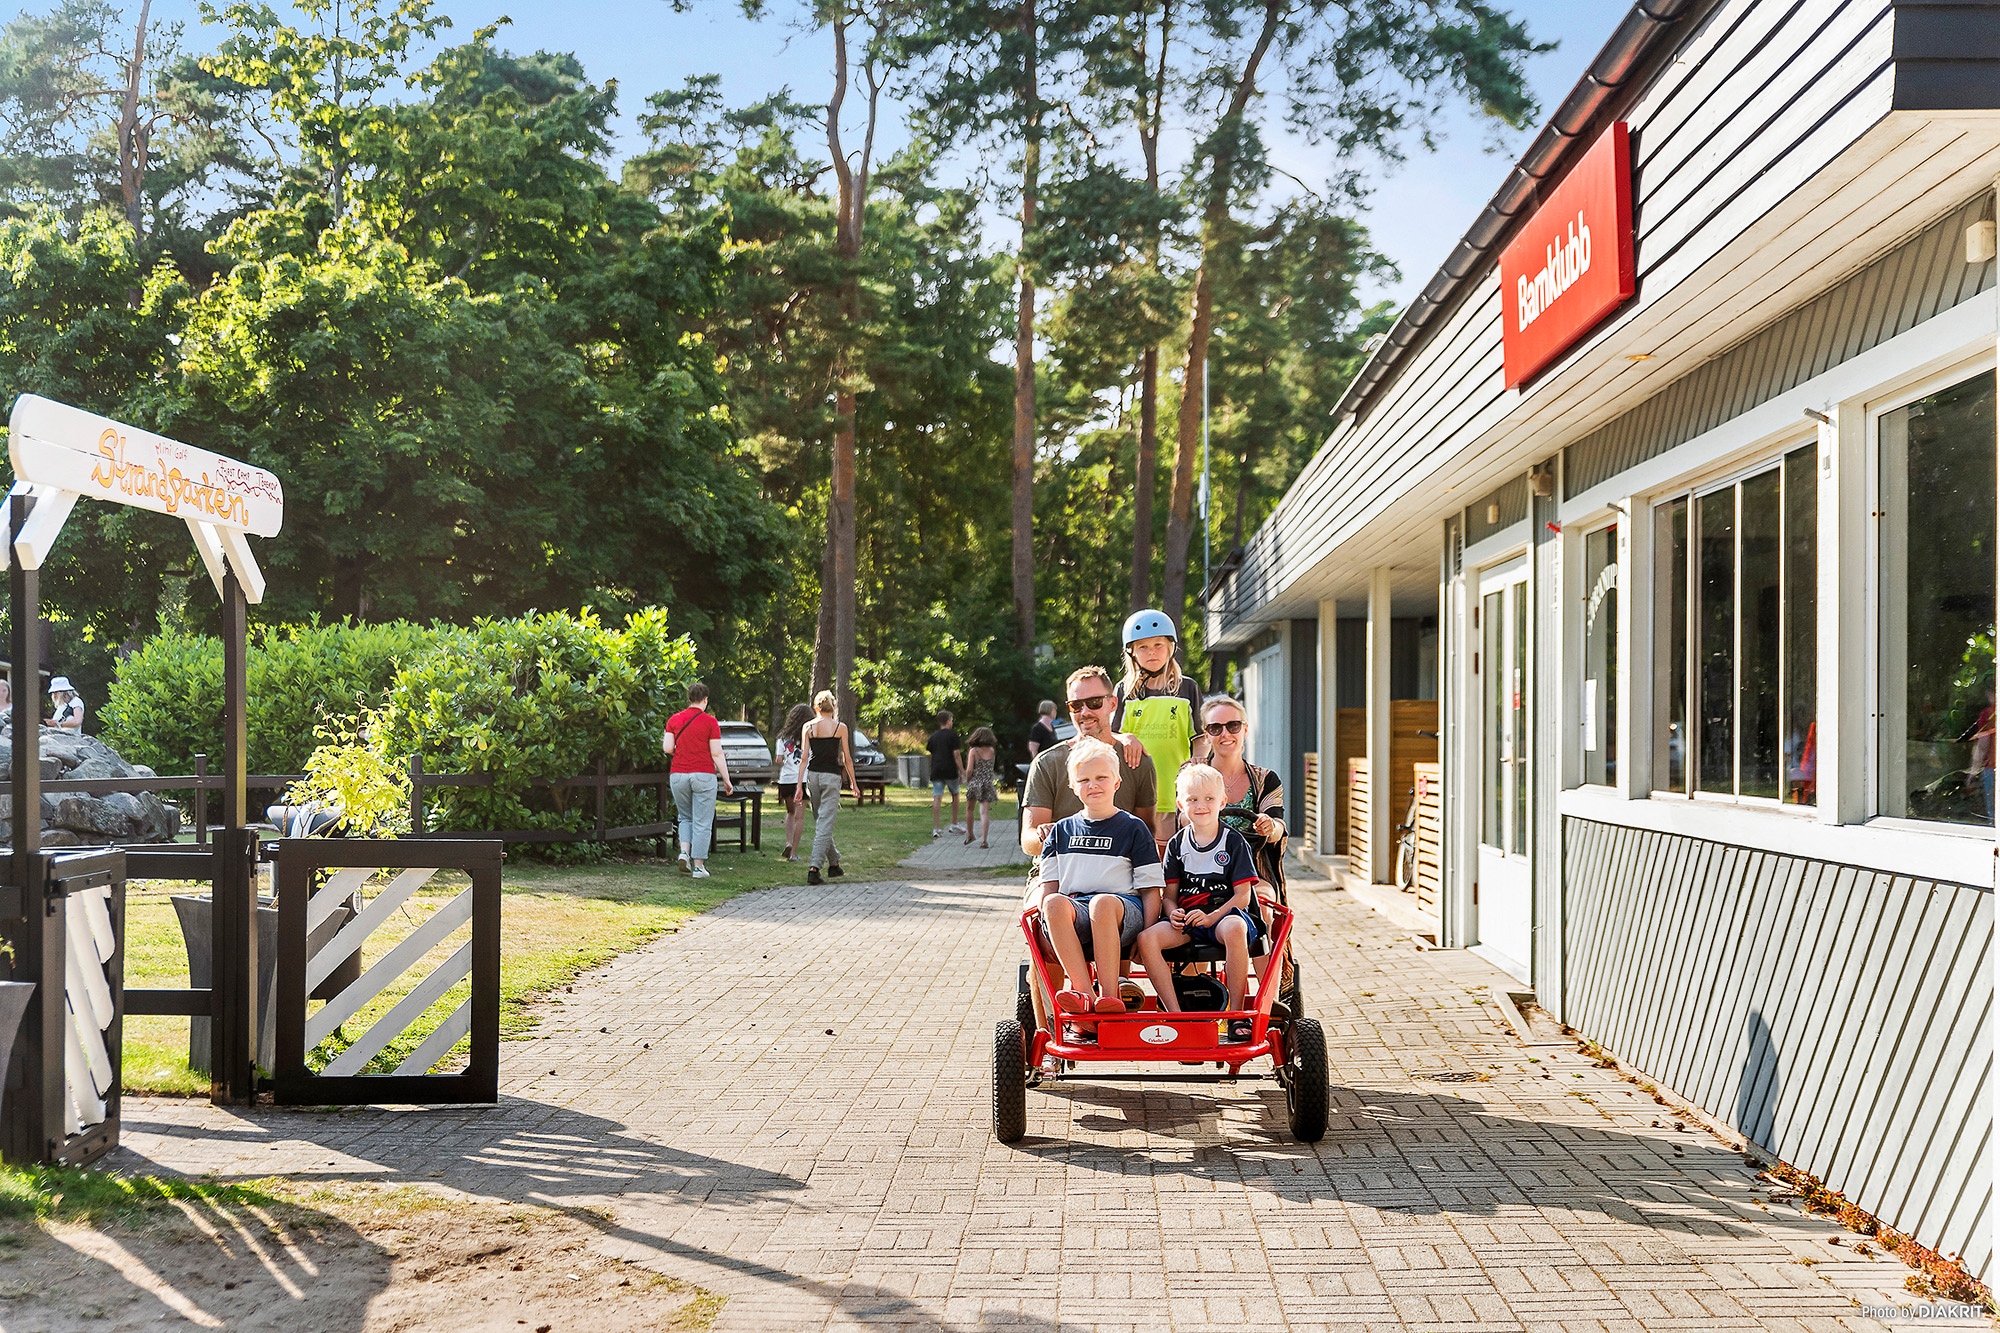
(1430,835)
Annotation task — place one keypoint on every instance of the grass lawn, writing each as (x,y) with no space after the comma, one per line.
(556,922)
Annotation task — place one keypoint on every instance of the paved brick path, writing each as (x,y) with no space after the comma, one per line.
(787,1102)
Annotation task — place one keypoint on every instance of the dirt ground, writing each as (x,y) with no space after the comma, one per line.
(330,1260)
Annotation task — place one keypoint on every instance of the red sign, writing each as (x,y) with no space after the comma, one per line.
(1571,265)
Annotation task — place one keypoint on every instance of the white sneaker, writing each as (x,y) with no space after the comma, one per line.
(701,872)
(684,864)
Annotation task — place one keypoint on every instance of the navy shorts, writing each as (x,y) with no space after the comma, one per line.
(1205,935)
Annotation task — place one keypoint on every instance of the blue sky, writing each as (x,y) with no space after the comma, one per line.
(1417,212)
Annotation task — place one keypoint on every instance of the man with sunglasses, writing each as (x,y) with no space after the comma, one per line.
(1048,797)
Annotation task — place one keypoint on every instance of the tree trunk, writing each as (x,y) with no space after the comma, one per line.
(1180,508)
(822,677)
(132,139)
(853,204)
(1145,467)
(1024,352)
(1143,480)
(1244,457)
(1215,214)
(844,604)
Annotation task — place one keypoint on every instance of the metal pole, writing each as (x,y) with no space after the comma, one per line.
(232,1078)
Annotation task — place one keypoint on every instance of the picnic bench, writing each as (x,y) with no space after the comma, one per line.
(748,821)
(871,791)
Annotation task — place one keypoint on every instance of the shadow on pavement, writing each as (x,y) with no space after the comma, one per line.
(531,1153)
(1416,1153)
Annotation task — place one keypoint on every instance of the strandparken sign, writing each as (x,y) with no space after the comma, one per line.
(62,453)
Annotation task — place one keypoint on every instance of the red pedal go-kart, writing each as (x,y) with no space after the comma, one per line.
(1029,1050)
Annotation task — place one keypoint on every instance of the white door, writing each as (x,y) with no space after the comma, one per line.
(1264,700)
(1504,894)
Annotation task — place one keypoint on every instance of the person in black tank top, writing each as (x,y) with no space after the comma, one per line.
(828,760)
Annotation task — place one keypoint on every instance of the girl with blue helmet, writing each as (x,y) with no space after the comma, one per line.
(1157,704)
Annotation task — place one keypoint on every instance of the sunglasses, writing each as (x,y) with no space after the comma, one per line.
(1218,728)
(1092,704)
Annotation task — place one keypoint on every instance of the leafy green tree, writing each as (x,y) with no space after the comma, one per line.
(1360,76)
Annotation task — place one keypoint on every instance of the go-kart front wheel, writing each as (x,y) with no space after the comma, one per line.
(1305,1082)
(1010,1082)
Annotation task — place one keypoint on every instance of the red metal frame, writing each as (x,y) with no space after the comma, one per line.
(1196,1035)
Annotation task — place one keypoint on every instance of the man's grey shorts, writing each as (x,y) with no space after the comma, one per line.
(1128,930)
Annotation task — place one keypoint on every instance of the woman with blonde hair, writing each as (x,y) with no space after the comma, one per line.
(828,759)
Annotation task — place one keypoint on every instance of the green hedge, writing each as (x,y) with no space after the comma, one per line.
(165,706)
(543,696)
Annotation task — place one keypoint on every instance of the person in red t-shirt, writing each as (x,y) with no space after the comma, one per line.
(694,739)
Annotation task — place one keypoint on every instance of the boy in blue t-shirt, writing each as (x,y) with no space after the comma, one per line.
(1100,883)
(1210,877)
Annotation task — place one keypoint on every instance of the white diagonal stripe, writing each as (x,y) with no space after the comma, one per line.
(392,965)
(351,935)
(81,1105)
(97,912)
(441,1040)
(339,886)
(90,1043)
(408,1009)
(83,975)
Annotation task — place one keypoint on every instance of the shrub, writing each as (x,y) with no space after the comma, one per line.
(544,696)
(165,707)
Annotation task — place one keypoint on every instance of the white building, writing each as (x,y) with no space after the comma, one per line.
(1677,488)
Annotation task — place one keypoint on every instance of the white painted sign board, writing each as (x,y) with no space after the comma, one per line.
(62,453)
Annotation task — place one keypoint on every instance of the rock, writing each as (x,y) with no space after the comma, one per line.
(77,819)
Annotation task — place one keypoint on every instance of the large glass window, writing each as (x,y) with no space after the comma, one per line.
(1937,606)
(1736,666)
(1600,656)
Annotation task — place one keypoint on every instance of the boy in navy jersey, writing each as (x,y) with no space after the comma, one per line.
(1210,877)
(1100,884)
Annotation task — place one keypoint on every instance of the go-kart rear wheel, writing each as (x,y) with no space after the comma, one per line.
(1306,1087)
(1010,1081)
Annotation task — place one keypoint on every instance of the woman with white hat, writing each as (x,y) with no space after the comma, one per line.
(69,708)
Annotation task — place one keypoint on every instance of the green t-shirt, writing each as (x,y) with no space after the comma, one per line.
(1164,723)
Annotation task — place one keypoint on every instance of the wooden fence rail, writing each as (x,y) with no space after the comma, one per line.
(747,822)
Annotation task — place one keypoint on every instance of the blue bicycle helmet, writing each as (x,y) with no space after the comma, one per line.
(1149,624)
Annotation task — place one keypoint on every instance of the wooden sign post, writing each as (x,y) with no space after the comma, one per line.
(61,454)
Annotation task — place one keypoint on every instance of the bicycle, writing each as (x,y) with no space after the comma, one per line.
(1406,838)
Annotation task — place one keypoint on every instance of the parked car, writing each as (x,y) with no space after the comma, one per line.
(869,761)
(748,753)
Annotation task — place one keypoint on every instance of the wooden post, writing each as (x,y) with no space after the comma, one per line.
(416,796)
(201,800)
(233,1052)
(603,797)
(34,1120)
(660,842)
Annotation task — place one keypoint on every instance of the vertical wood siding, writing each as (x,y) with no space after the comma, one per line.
(1912,283)
(1838,1018)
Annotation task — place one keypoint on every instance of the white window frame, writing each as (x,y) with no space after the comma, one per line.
(1875,585)
(1577,534)
(1770,456)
